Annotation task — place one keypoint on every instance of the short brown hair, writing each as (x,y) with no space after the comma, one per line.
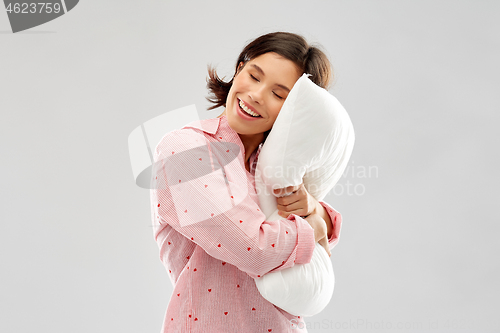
(309,59)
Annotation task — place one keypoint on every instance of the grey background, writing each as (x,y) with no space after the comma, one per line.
(419,246)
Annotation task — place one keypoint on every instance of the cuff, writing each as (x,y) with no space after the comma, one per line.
(305,240)
(336,219)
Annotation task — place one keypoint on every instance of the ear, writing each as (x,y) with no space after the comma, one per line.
(240,67)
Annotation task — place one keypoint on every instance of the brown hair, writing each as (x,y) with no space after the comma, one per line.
(309,59)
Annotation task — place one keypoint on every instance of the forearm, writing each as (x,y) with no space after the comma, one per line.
(321,211)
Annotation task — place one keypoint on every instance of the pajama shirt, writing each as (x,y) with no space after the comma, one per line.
(213,238)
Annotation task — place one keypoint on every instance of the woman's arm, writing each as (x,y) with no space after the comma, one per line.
(319,227)
(335,224)
(297,200)
(208,202)
(321,211)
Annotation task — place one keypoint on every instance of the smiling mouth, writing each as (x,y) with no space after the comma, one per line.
(247,110)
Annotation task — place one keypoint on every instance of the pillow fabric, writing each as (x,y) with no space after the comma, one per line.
(311,142)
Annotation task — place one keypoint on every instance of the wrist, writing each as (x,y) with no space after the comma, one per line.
(318,209)
(321,211)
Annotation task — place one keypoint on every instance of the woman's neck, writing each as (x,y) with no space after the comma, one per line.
(250,142)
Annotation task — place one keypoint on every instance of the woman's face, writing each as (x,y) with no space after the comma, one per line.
(260,88)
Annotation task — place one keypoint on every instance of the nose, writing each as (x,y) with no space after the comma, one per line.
(257,94)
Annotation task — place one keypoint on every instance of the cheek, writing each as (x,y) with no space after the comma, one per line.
(232,92)
(275,109)
(239,83)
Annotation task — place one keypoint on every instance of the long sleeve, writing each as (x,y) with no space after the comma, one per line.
(201,190)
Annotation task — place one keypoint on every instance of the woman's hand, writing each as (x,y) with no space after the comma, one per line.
(320,232)
(298,201)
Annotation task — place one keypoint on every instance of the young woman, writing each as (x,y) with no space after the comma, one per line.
(213,238)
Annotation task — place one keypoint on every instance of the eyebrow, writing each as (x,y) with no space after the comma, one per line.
(262,73)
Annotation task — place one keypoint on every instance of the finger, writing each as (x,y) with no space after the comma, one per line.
(291,204)
(282,193)
(279,191)
(296,196)
(281,201)
(297,208)
(286,191)
(290,199)
(299,212)
(283,214)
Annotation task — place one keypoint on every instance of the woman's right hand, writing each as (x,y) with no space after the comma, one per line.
(320,232)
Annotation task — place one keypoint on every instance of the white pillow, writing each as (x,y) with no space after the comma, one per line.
(311,142)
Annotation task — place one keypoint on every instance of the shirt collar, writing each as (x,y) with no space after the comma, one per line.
(207,125)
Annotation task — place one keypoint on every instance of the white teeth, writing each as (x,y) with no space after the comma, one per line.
(247,110)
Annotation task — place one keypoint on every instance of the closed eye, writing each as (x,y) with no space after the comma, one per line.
(277,95)
(253,77)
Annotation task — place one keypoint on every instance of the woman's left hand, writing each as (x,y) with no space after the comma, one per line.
(299,202)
